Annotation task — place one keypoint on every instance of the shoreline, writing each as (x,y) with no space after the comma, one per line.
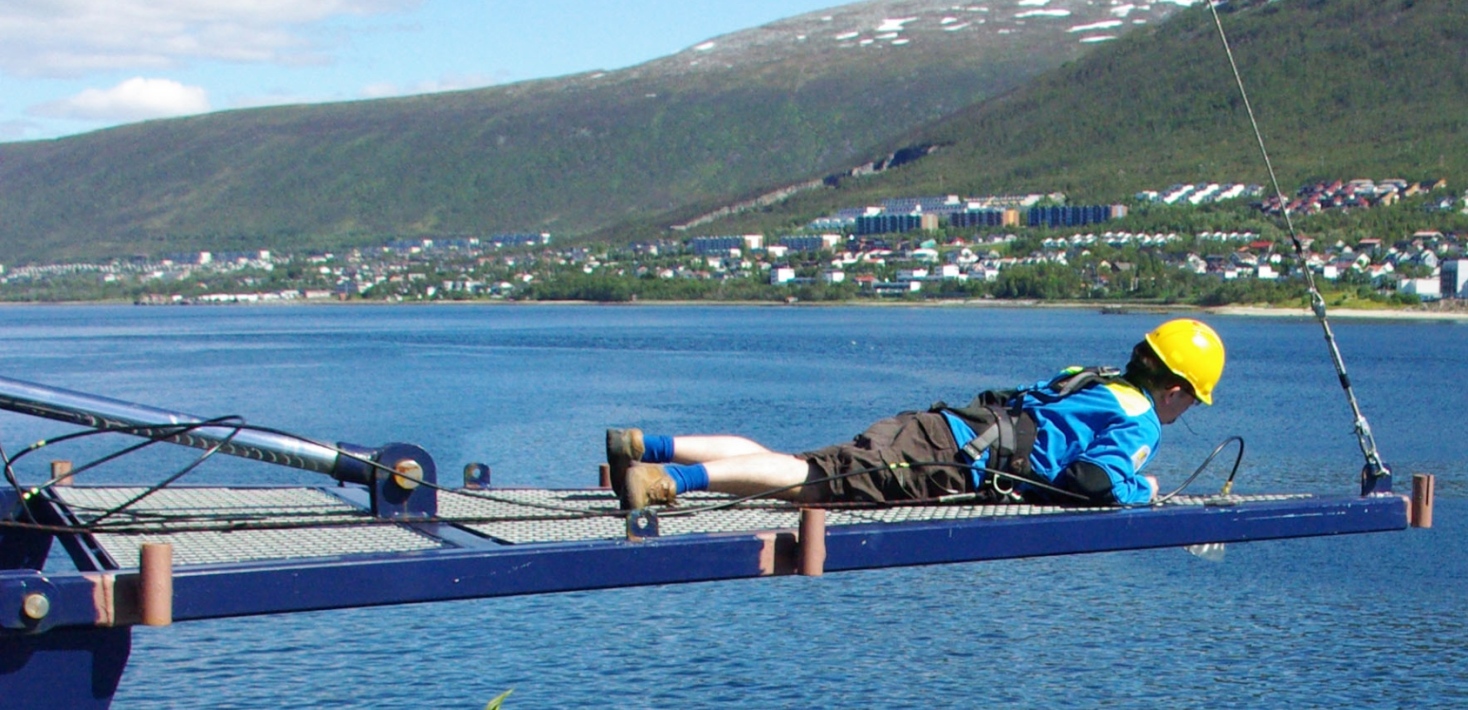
(1119,308)
(1343,313)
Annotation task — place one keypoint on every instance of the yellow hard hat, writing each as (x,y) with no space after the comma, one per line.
(1192,351)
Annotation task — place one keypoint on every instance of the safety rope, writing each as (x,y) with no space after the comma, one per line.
(1375,471)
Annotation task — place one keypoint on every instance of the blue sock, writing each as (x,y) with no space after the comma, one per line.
(657,449)
(688,476)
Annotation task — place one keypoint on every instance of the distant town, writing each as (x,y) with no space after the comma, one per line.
(1034,246)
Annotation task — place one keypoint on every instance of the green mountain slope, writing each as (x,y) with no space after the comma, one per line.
(573,156)
(1341,88)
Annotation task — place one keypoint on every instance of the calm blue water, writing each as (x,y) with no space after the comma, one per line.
(1369,621)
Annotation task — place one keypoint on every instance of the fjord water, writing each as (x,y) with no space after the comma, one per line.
(1363,621)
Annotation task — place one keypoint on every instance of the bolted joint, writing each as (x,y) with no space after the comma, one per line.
(35,606)
(27,603)
(407,486)
(407,474)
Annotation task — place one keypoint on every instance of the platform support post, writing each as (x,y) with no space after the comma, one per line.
(1422,492)
(155,584)
(812,542)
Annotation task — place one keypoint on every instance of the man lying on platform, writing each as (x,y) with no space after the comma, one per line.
(1080,438)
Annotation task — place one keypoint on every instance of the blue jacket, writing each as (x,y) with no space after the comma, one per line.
(1107,429)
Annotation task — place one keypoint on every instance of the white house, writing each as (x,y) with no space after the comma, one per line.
(1425,289)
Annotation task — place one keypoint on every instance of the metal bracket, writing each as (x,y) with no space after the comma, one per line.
(1375,479)
(476,476)
(399,491)
(641,523)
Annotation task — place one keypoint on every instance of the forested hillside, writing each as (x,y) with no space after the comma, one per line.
(719,122)
(1341,88)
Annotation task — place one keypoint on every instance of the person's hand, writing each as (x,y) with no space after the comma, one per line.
(1155,489)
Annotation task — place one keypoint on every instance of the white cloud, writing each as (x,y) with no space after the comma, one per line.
(133,100)
(73,38)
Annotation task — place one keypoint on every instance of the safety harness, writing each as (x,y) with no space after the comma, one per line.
(1007,433)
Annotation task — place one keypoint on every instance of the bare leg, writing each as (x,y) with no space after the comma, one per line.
(703,449)
(760,472)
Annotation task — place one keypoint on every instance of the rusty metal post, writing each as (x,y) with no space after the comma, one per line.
(606,476)
(812,542)
(1422,490)
(155,584)
(61,473)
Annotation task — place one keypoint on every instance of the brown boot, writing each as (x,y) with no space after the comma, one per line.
(624,448)
(649,484)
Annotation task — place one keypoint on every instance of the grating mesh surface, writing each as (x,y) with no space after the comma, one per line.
(515,516)
(182,506)
(1236,500)
(534,515)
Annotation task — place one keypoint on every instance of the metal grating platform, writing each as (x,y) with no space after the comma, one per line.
(511,516)
(181,506)
(527,516)
(508,542)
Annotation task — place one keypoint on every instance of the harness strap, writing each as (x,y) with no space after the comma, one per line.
(1006,433)
(977,445)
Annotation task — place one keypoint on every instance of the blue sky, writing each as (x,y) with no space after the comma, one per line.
(74,66)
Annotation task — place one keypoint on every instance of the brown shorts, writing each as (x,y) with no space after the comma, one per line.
(908,438)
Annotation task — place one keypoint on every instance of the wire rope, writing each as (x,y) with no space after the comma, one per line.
(1374,468)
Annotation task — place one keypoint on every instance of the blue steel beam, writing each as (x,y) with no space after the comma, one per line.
(68,668)
(217,591)
(1126,529)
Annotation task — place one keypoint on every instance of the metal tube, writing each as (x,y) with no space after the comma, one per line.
(155,583)
(812,542)
(116,415)
(1422,490)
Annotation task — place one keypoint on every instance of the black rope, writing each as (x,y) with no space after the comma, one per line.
(197,462)
(1228,485)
